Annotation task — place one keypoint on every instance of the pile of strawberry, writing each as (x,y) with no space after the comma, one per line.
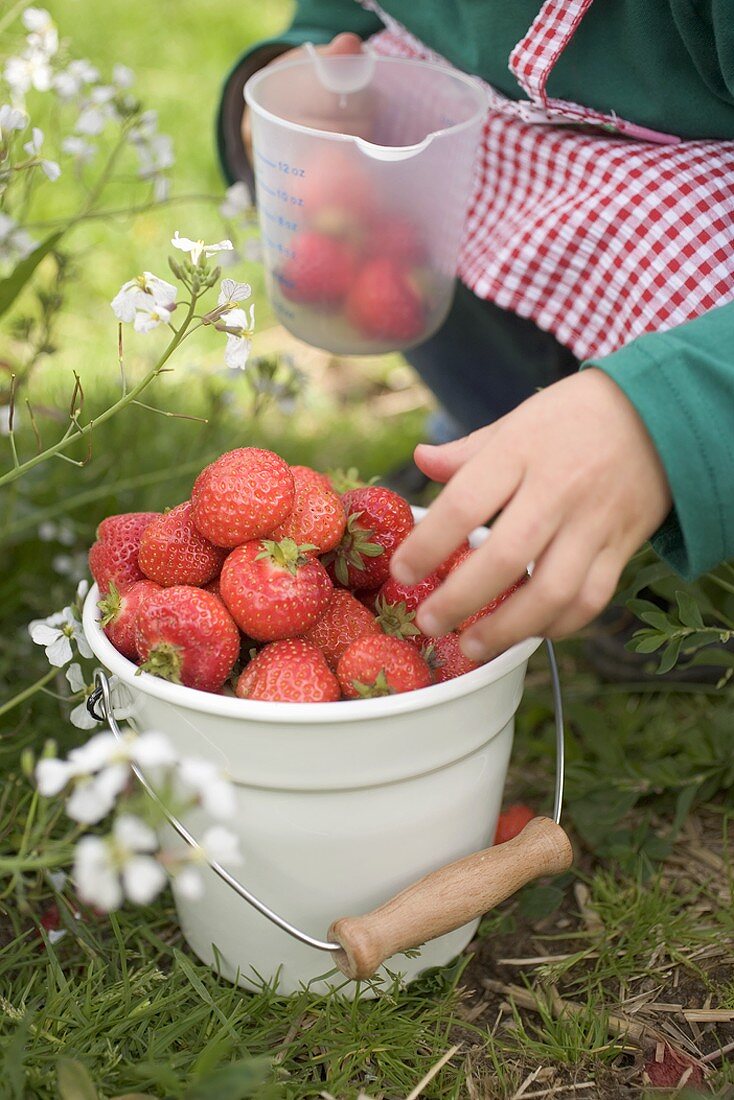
(355,255)
(271,580)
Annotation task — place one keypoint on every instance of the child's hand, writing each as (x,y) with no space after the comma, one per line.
(576,484)
(343,44)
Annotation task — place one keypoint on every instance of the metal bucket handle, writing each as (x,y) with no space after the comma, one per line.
(436,904)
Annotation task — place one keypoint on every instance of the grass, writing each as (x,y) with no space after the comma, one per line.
(571,986)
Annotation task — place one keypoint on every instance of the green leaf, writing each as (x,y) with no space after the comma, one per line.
(688,610)
(135,1096)
(11,286)
(646,642)
(235,1082)
(537,902)
(73,1081)
(669,656)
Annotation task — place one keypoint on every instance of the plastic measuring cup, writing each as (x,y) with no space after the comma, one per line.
(363,169)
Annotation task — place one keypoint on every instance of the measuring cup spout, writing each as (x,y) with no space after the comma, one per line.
(344,74)
(392,152)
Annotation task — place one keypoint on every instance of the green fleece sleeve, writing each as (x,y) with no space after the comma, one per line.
(316,21)
(682,384)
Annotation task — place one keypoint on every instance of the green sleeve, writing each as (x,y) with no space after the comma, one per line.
(316,21)
(682,384)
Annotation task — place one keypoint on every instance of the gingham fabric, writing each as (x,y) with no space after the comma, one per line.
(595,237)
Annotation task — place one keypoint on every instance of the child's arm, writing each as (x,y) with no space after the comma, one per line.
(581,474)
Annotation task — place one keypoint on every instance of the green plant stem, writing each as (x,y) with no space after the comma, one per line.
(13,13)
(27,692)
(61,508)
(130,211)
(126,399)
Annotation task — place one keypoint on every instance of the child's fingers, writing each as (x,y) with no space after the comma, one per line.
(469,500)
(593,596)
(440,463)
(520,534)
(557,579)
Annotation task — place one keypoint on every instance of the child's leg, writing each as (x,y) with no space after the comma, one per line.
(484,361)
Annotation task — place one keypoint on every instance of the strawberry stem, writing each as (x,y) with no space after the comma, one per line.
(165,661)
(110,605)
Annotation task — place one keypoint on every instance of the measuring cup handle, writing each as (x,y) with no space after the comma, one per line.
(450,897)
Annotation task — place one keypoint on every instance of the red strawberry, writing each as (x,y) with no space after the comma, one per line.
(455,559)
(114,556)
(444,657)
(119,612)
(173,552)
(378,665)
(384,303)
(398,238)
(512,821)
(493,604)
(320,271)
(412,595)
(292,671)
(318,515)
(377,522)
(673,1069)
(334,182)
(244,495)
(187,635)
(344,620)
(274,589)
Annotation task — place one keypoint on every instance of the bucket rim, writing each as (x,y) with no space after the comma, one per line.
(248,710)
(470,82)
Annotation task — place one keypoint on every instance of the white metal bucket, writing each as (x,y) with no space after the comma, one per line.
(339,805)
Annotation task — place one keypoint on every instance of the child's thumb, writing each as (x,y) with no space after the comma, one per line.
(344,43)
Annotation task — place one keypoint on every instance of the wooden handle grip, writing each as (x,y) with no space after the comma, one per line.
(449,897)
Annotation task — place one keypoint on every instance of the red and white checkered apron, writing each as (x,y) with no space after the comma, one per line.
(595,236)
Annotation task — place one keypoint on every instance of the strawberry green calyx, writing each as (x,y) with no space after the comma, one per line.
(376,690)
(286,554)
(109,606)
(431,657)
(395,619)
(165,660)
(344,480)
(355,546)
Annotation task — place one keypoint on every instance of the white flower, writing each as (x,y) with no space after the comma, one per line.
(240,330)
(231,292)
(147,294)
(221,845)
(94,796)
(30,70)
(15,243)
(33,148)
(70,82)
(11,118)
(215,793)
(76,147)
(43,34)
(198,248)
(155,155)
(80,716)
(56,633)
(146,126)
(122,76)
(52,775)
(237,201)
(81,590)
(109,869)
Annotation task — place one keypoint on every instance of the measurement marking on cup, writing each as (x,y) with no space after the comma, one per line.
(290,169)
(266,160)
(279,219)
(277,246)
